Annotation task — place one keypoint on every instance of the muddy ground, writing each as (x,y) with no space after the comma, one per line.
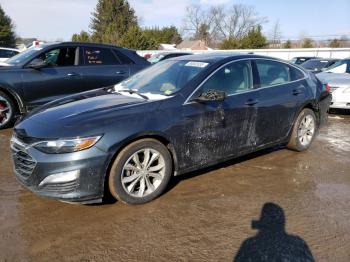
(205,216)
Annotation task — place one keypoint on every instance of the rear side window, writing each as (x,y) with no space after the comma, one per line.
(273,72)
(99,56)
(124,59)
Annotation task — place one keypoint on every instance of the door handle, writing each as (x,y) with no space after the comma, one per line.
(120,72)
(297,91)
(251,102)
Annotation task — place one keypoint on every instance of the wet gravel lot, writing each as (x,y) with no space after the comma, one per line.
(205,216)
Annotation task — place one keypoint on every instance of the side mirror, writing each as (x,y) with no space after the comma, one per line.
(37,63)
(211,95)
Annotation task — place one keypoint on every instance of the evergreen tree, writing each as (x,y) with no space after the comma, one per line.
(288,44)
(254,39)
(136,39)
(111,20)
(335,43)
(7,35)
(166,35)
(82,37)
(307,43)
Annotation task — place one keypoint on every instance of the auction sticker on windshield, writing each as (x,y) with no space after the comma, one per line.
(196,64)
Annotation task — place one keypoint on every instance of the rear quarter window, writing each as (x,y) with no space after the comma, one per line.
(295,74)
(124,59)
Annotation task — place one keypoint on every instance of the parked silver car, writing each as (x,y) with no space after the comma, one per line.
(337,79)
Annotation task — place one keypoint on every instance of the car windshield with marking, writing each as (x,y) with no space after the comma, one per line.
(164,78)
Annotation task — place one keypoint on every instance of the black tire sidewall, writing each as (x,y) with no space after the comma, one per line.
(13,109)
(115,185)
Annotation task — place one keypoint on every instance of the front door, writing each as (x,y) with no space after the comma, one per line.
(217,130)
(60,77)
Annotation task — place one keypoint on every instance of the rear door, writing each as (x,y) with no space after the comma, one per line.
(102,67)
(60,77)
(282,91)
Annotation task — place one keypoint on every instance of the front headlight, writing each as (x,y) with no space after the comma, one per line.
(67,146)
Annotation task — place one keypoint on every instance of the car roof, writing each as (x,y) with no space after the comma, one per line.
(11,49)
(215,57)
(323,59)
(83,44)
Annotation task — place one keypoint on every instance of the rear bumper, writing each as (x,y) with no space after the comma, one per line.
(340,105)
(324,104)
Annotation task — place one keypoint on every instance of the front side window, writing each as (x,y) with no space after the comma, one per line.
(232,78)
(59,57)
(99,56)
(273,73)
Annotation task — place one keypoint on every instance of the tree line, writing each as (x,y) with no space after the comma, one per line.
(237,26)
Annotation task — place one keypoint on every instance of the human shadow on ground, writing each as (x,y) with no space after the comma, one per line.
(272,242)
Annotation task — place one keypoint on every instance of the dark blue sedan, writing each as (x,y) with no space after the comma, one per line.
(179,115)
(51,71)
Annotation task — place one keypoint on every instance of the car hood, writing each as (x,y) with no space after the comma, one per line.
(79,111)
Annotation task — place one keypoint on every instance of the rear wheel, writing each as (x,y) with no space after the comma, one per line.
(304,131)
(7,111)
(141,172)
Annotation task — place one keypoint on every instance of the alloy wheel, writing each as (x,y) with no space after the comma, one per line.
(5,111)
(306,130)
(143,172)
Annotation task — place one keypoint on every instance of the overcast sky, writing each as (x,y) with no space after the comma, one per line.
(59,19)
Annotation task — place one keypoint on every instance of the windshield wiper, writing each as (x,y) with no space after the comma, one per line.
(130,91)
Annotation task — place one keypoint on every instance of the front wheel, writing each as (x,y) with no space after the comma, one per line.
(141,172)
(304,131)
(7,111)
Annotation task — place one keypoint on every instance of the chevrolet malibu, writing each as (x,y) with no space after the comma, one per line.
(177,116)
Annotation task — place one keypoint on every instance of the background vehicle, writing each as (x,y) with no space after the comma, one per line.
(166,55)
(319,64)
(176,116)
(301,59)
(45,73)
(6,53)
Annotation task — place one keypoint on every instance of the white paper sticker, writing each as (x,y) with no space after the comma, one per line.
(196,64)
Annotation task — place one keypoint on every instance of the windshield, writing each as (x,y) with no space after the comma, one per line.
(164,78)
(338,67)
(315,64)
(17,59)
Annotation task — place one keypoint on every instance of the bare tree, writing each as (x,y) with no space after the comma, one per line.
(276,34)
(220,22)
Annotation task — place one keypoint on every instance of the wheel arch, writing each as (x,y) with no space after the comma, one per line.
(15,97)
(161,137)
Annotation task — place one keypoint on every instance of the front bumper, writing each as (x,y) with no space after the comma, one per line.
(340,105)
(32,167)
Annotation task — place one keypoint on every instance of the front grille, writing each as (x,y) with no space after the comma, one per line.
(24,164)
(60,187)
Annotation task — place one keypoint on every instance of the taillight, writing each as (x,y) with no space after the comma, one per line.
(328,88)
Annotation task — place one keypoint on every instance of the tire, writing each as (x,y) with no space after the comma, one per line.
(8,111)
(303,133)
(132,181)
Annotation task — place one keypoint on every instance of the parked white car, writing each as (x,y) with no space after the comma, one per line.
(337,79)
(6,53)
